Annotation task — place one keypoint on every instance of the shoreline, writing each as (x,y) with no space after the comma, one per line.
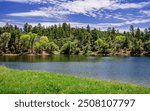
(144,53)
(43,82)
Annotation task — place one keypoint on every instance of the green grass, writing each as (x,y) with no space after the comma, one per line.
(34,82)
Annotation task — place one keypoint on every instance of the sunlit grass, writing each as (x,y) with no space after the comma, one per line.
(35,82)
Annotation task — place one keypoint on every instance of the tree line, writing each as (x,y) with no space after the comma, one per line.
(64,39)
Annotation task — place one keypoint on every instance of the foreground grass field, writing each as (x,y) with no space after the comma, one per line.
(34,82)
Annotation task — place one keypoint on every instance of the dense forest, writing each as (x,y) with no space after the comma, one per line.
(64,39)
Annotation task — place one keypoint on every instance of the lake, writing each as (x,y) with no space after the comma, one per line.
(123,69)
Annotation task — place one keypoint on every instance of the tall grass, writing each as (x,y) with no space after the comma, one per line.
(35,82)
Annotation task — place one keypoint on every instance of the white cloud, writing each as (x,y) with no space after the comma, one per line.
(146,12)
(116,6)
(140,21)
(119,17)
(31,13)
(131,22)
(62,8)
(7,20)
(50,12)
(90,7)
(2,24)
(83,6)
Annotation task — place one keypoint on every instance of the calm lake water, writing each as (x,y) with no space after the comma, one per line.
(124,69)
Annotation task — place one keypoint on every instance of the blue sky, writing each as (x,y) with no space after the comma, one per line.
(97,13)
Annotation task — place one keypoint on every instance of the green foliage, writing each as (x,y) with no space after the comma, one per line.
(42,44)
(25,41)
(120,38)
(27,28)
(147,45)
(68,40)
(77,51)
(137,46)
(37,47)
(102,46)
(99,43)
(4,39)
(34,82)
(44,41)
(69,47)
(86,49)
(52,47)
(33,39)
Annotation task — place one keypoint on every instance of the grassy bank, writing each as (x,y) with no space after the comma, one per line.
(16,81)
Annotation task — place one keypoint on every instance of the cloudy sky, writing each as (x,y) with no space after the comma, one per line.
(97,13)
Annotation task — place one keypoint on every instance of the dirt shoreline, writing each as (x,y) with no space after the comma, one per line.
(25,54)
(128,53)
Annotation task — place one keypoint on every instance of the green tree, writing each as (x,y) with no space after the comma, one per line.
(138,46)
(27,27)
(52,47)
(120,40)
(88,28)
(138,33)
(13,44)
(33,39)
(99,44)
(25,41)
(69,47)
(147,46)
(4,40)
(132,31)
(41,44)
